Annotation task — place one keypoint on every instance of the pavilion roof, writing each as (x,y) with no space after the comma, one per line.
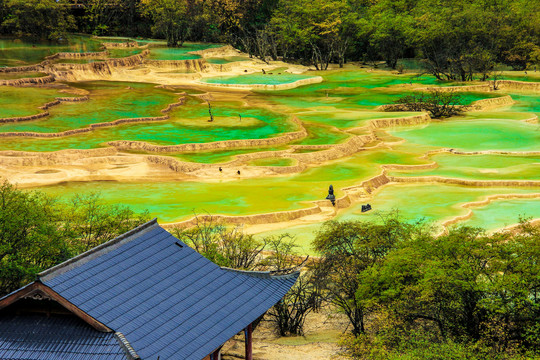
(168,300)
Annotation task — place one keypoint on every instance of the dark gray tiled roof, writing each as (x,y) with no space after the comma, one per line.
(168,300)
(38,337)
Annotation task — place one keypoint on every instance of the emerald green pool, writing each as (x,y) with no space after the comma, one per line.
(482,167)
(213,157)
(108,102)
(14,52)
(227,59)
(346,119)
(272,162)
(526,103)
(504,213)
(160,133)
(173,201)
(256,79)
(24,101)
(112,101)
(119,53)
(474,135)
(321,135)
(346,83)
(180,53)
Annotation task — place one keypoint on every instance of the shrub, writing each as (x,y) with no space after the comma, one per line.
(439,103)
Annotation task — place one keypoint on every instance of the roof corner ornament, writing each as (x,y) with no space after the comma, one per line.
(37,295)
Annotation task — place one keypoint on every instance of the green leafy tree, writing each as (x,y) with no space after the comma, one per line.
(30,239)
(386,26)
(311,30)
(103,17)
(226,246)
(89,222)
(512,303)
(3,11)
(474,293)
(38,231)
(289,314)
(348,250)
(230,247)
(243,24)
(449,35)
(522,55)
(171,19)
(38,19)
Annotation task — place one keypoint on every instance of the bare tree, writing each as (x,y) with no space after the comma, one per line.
(289,314)
(496,77)
(226,246)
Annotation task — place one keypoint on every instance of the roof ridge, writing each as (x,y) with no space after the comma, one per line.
(264,274)
(126,346)
(96,251)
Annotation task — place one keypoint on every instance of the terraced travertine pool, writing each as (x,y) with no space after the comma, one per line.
(24,101)
(433,203)
(494,215)
(182,53)
(14,52)
(289,145)
(107,102)
(474,135)
(481,167)
(112,101)
(250,79)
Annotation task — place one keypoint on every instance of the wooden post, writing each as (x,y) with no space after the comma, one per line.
(215,355)
(248,339)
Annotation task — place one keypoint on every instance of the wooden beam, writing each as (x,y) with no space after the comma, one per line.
(25,291)
(37,288)
(248,332)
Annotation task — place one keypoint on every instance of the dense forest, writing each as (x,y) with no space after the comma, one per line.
(455,40)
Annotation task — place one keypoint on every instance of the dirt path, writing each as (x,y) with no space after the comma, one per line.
(322,332)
